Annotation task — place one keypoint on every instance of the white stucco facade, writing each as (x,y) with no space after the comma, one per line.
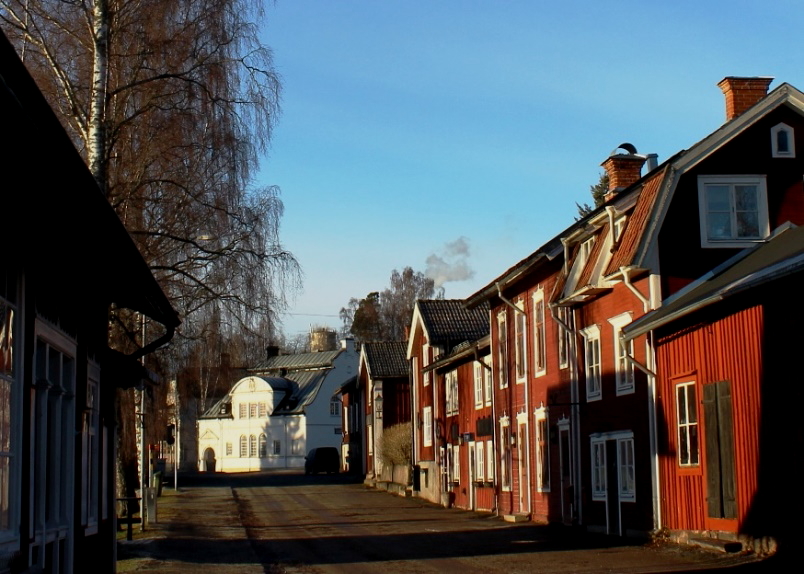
(272,419)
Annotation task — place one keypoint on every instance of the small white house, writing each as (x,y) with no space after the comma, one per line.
(271,418)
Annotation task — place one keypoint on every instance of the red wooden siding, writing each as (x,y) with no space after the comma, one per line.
(726,350)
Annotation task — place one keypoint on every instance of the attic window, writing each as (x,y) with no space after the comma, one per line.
(782,141)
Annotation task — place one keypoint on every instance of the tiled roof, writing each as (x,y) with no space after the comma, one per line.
(300,361)
(387,359)
(449,322)
(635,224)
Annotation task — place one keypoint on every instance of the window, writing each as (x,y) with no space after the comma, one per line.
(624,369)
(427,427)
(592,362)
(8,400)
(542,450)
(626,469)
(506,454)
(502,351)
(252,410)
(242,410)
(263,446)
(243,446)
(480,467)
(539,338)
(478,384)
(277,447)
(487,385)
(490,460)
(782,142)
(520,344)
(90,451)
(451,384)
(252,446)
(598,469)
(425,363)
(228,449)
(334,408)
(687,417)
(262,411)
(734,211)
(456,463)
(565,316)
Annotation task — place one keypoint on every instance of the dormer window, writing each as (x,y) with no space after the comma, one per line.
(733,210)
(782,142)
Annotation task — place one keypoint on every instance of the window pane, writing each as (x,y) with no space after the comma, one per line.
(747,224)
(745,197)
(718,198)
(719,226)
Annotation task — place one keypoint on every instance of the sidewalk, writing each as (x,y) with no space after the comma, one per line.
(198,525)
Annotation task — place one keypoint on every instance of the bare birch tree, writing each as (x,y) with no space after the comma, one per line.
(171,102)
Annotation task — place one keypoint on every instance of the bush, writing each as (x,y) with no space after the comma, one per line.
(396,444)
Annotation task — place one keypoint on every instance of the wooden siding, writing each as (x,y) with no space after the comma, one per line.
(726,350)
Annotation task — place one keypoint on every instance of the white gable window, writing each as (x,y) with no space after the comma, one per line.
(782,142)
(733,209)
(427,428)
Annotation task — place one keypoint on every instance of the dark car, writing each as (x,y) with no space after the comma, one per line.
(322,459)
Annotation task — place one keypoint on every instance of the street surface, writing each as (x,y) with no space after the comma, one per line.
(329,524)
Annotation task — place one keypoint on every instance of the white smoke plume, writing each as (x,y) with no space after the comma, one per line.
(451,263)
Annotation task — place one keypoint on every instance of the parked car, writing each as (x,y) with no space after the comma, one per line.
(322,459)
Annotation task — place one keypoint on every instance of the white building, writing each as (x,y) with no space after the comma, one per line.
(273,417)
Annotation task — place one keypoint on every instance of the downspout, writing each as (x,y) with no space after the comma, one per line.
(649,370)
(516,309)
(626,273)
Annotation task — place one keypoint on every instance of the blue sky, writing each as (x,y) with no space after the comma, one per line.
(468,130)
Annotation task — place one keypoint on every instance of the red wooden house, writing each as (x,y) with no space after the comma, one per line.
(383,384)
(69,261)
(437,327)
(653,235)
(727,422)
(469,425)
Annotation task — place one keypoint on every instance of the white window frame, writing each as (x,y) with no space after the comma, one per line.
(480,466)
(506,454)
(335,407)
(520,342)
(451,384)
(243,446)
(732,181)
(592,363)
(426,363)
(539,334)
(565,314)
(456,463)
(598,468)
(427,427)
(619,227)
(262,445)
(623,368)
(277,450)
(686,429)
(478,384)
(242,411)
(626,471)
(502,350)
(490,460)
(541,444)
(791,141)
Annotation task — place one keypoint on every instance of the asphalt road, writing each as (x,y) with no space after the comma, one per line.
(329,524)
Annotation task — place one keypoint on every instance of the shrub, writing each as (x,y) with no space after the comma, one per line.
(396,446)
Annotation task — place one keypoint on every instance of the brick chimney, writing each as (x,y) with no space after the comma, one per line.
(623,169)
(742,93)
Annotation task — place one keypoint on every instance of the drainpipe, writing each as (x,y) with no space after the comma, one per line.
(649,370)
(626,273)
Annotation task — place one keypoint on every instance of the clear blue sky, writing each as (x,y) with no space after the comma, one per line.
(409,125)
